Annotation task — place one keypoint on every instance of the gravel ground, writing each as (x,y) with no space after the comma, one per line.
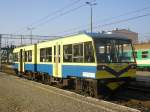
(20,95)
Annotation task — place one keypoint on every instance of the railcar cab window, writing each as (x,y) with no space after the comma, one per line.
(113,50)
(88,52)
(15,57)
(28,56)
(46,54)
(145,54)
(78,53)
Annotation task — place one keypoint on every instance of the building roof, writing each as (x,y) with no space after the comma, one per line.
(124,30)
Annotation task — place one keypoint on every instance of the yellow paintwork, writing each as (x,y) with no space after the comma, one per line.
(117,66)
(104,74)
(130,73)
(114,85)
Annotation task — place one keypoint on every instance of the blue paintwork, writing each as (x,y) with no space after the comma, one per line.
(67,70)
(15,66)
(46,68)
(76,70)
(30,67)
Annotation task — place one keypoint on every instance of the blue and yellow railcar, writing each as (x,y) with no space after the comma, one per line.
(84,61)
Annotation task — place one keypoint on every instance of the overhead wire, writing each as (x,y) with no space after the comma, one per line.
(55,12)
(107,19)
(115,22)
(61,14)
(49,15)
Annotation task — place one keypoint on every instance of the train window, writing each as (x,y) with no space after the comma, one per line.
(67,53)
(78,53)
(54,53)
(49,54)
(59,53)
(46,54)
(15,57)
(28,56)
(42,55)
(145,54)
(88,52)
(113,51)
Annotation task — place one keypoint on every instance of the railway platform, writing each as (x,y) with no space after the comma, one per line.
(21,95)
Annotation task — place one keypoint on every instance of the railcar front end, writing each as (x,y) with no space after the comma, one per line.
(114,66)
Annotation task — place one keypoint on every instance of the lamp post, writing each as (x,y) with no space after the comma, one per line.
(0,53)
(91,4)
(30,29)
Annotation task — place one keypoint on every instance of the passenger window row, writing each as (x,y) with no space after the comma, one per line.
(144,54)
(79,53)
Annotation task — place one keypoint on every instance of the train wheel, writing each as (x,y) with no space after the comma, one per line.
(78,84)
(93,90)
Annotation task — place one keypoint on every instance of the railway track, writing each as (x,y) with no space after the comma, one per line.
(133,95)
(140,88)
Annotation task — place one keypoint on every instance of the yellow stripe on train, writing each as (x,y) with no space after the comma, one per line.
(118,66)
(104,74)
(129,73)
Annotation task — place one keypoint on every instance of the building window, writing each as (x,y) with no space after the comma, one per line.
(78,53)
(15,57)
(88,52)
(145,54)
(28,56)
(67,54)
(46,54)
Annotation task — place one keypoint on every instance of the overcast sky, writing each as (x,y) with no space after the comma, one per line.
(59,17)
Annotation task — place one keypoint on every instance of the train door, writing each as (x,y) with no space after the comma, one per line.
(57,61)
(21,65)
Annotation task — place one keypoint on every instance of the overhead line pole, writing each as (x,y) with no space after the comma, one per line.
(91,4)
(0,53)
(30,28)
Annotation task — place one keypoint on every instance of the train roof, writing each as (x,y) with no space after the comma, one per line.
(101,35)
(92,35)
